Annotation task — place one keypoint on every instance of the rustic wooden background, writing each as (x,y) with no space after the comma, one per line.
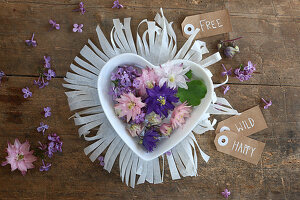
(271,39)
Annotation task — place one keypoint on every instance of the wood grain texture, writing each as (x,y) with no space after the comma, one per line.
(271,39)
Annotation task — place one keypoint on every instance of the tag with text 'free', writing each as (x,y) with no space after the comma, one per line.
(212,23)
(247,123)
(239,146)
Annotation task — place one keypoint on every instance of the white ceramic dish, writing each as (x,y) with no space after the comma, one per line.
(104,84)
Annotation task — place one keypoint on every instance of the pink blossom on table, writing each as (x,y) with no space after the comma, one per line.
(179,114)
(19,156)
(129,106)
(54,25)
(47,112)
(26,92)
(226,193)
(77,28)
(226,89)
(148,79)
(135,129)
(166,129)
(267,104)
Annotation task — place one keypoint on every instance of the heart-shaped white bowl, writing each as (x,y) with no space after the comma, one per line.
(104,84)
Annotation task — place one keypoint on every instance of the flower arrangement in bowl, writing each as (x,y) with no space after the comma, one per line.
(153,108)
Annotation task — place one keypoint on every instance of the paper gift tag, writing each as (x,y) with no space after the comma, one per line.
(239,146)
(212,23)
(249,122)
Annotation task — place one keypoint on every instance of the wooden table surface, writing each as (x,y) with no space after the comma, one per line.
(271,39)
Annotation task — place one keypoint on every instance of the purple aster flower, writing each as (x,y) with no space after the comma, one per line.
(2,74)
(151,137)
(101,160)
(45,167)
(50,74)
(268,104)
(26,92)
(41,82)
(47,111)
(31,42)
(54,25)
(77,28)
(226,72)
(81,9)
(117,4)
(226,193)
(226,89)
(160,100)
(42,128)
(47,62)
(140,118)
(54,145)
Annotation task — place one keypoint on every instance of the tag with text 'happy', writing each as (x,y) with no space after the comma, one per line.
(247,123)
(239,146)
(212,23)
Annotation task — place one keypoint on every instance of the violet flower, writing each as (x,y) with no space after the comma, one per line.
(45,167)
(268,104)
(101,160)
(77,28)
(151,137)
(168,153)
(26,92)
(245,73)
(226,89)
(117,4)
(47,62)
(50,74)
(54,145)
(47,111)
(140,118)
(54,25)
(226,72)
(41,82)
(81,9)
(31,42)
(226,193)
(42,128)
(2,74)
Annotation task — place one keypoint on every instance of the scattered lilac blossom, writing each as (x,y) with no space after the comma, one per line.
(268,104)
(47,62)
(50,74)
(81,8)
(77,28)
(31,42)
(245,73)
(41,82)
(54,145)
(226,72)
(140,118)
(42,128)
(101,160)
(47,112)
(54,25)
(26,92)
(250,68)
(226,89)
(168,153)
(117,4)
(226,193)
(42,146)
(45,167)
(2,74)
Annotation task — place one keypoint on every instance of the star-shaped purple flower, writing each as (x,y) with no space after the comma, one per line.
(31,42)
(226,193)
(226,89)
(50,74)
(45,167)
(151,137)
(47,111)
(267,104)
(26,92)
(47,62)
(54,25)
(117,4)
(42,128)
(77,28)
(81,8)
(226,72)
(101,160)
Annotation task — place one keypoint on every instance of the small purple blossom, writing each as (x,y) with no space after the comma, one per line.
(50,74)
(226,89)
(140,118)
(77,28)
(101,160)
(81,8)
(136,83)
(41,82)
(42,128)
(31,42)
(245,73)
(268,104)
(2,74)
(151,137)
(250,68)
(54,25)
(117,4)
(226,193)
(45,167)
(226,72)
(54,145)
(47,111)
(26,92)
(47,62)
(168,153)
(42,146)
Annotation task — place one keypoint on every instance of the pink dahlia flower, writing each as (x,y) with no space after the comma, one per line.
(148,79)
(179,114)
(129,106)
(19,157)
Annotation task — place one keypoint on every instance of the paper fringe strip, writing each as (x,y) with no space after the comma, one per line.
(160,48)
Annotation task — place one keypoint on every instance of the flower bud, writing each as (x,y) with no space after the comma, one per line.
(219,46)
(230,52)
(166,129)
(153,119)
(134,129)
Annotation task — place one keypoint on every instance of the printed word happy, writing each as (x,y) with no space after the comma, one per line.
(243,148)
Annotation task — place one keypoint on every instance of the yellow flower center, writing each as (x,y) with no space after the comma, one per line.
(162,100)
(131,105)
(150,85)
(172,79)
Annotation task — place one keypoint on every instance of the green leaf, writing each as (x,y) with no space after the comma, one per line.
(193,95)
(189,74)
